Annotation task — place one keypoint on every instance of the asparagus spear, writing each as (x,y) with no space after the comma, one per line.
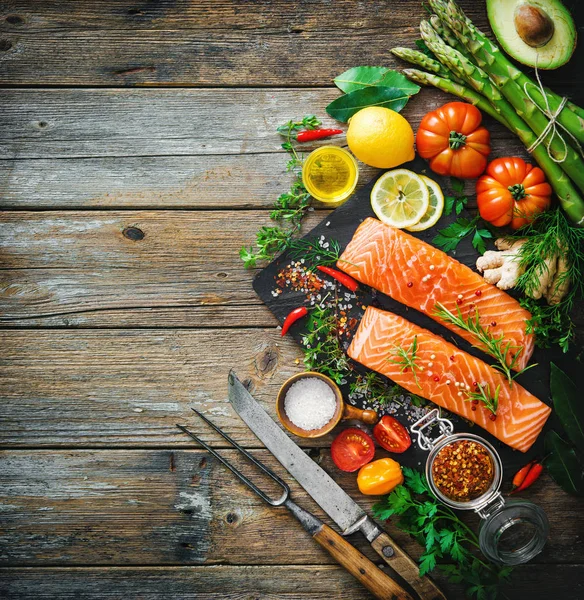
(451,87)
(569,198)
(488,56)
(419,58)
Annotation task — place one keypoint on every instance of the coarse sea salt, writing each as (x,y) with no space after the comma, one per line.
(310,403)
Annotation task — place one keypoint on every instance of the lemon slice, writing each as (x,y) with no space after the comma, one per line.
(400,198)
(435,209)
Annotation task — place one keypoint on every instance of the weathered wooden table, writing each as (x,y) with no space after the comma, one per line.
(138,154)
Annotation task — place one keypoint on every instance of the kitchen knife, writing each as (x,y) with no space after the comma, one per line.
(340,507)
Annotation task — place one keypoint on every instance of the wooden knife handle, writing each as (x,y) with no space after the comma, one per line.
(376,581)
(401,563)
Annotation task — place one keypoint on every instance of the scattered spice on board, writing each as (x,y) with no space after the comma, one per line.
(310,403)
(463,470)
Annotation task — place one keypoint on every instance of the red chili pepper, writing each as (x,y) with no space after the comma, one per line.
(526,476)
(341,277)
(316,134)
(294,315)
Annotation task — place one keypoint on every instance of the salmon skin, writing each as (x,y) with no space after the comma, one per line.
(447,375)
(421,276)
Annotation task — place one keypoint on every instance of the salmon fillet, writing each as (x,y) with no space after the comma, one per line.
(420,276)
(520,415)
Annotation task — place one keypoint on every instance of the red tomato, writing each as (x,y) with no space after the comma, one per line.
(392,435)
(512,192)
(352,449)
(451,139)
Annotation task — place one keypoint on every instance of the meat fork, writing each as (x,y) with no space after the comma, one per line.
(376,581)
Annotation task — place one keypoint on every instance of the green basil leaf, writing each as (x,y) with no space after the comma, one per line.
(343,108)
(563,464)
(358,78)
(568,406)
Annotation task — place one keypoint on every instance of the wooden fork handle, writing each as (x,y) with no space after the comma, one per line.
(374,579)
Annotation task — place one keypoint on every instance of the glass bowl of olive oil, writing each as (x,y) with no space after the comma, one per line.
(330,174)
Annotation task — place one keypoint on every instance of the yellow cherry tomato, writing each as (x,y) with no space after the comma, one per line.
(379,477)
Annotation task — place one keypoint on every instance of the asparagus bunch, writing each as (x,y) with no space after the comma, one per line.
(470,66)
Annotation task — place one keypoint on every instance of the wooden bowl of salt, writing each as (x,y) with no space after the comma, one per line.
(310,405)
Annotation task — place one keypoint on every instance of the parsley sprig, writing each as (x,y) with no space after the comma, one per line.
(443,535)
(449,237)
(458,200)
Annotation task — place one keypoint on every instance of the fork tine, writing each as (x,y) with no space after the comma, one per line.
(254,460)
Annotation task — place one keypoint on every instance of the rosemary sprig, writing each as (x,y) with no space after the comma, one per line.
(407,359)
(495,346)
(313,252)
(483,394)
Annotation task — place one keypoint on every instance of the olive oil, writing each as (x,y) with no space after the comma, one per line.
(330,174)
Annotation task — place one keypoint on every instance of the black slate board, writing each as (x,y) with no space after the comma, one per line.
(340,226)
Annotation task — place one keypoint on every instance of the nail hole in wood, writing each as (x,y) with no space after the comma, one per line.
(222,275)
(133,233)
(231,518)
(5,45)
(14,20)
(362,571)
(43,124)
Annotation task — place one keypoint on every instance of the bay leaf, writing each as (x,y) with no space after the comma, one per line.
(563,465)
(358,78)
(344,107)
(568,406)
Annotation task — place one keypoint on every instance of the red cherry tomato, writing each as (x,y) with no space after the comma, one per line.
(352,449)
(392,435)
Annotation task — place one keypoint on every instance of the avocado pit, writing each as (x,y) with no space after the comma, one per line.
(534,26)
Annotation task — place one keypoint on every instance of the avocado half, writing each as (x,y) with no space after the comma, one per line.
(530,30)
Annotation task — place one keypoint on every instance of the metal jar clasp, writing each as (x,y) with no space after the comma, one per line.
(427,422)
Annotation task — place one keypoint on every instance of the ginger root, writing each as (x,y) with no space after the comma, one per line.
(503,269)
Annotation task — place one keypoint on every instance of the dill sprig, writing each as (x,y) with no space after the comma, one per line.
(407,359)
(548,234)
(495,346)
(313,252)
(483,394)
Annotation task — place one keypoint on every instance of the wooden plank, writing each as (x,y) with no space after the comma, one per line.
(183,43)
(69,123)
(194,182)
(219,582)
(129,387)
(192,240)
(183,507)
(110,297)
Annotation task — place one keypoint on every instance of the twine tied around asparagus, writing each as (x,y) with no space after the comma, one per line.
(553,124)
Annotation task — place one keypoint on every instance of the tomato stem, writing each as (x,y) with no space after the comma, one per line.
(517,191)
(456,140)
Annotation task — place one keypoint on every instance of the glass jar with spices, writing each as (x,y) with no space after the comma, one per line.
(465,472)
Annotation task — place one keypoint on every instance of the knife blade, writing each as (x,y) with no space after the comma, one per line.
(340,507)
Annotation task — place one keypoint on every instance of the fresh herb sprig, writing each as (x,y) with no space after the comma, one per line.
(443,535)
(550,231)
(314,253)
(449,237)
(458,200)
(371,387)
(483,394)
(290,208)
(495,346)
(407,359)
(323,351)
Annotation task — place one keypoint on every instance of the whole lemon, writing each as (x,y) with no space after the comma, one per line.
(380,137)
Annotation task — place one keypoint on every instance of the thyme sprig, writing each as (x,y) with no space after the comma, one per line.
(482,393)
(495,346)
(290,208)
(407,359)
(444,536)
(373,388)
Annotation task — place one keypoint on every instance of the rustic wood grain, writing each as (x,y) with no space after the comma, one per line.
(80,123)
(183,507)
(218,582)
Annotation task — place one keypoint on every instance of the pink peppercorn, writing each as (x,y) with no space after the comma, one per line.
(493,323)
(473,407)
(452,358)
(436,378)
(493,417)
(458,301)
(478,293)
(475,383)
(410,284)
